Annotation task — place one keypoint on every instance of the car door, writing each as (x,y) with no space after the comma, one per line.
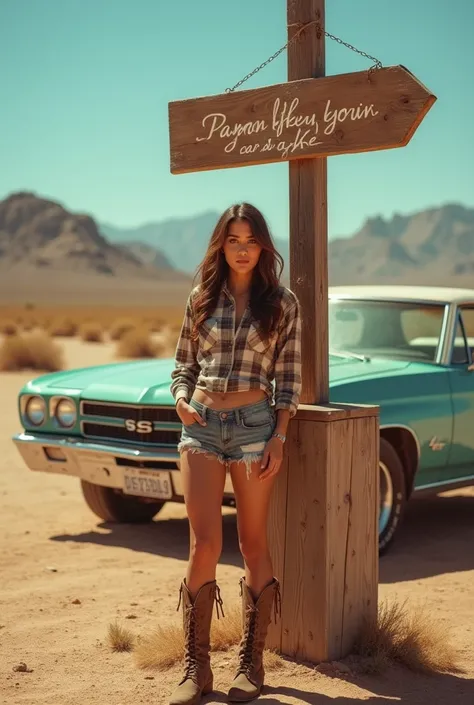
(461,455)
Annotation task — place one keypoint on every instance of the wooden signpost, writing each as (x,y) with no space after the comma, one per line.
(323,525)
(355,112)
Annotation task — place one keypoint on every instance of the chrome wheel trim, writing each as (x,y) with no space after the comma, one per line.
(386,497)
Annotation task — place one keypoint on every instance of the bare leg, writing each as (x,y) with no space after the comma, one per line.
(252,500)
(203,484)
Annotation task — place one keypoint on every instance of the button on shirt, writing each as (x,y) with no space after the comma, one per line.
(227,360)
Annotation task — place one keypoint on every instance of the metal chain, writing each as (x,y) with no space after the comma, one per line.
(376,65)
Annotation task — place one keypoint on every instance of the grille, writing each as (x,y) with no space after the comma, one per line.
(130,412)
(100,426)
(157,437)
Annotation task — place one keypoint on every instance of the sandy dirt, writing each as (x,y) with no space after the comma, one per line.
(65,576)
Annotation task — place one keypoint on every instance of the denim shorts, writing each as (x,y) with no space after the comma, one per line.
(232,435)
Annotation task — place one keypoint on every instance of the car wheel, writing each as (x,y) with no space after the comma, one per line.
(112,505)
(392,494)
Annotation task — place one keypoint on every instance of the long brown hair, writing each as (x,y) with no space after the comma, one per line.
(213,271)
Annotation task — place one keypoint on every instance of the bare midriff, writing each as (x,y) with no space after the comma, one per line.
(228,400)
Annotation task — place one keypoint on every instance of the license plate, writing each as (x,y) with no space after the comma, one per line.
(147,483)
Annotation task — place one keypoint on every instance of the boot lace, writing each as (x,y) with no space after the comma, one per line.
(248,638)
(191,665)
(246,645)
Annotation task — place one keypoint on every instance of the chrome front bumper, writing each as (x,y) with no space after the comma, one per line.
(96,462)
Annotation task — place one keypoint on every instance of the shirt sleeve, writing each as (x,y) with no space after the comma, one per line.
(288,360)
(186,371)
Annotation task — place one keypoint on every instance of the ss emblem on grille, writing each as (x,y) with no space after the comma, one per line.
(140,426)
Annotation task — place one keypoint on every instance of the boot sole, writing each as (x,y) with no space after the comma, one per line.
(208,688)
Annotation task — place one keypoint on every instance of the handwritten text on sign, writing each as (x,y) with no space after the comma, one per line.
(310,130)
(355,112)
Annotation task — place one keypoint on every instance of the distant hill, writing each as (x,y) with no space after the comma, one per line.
(39,234)
(434,246)
(183,241)
(430,246)
(51,248)
(147,254)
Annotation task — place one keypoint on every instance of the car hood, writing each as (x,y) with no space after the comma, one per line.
(137,381)
(345,369)
(148,381)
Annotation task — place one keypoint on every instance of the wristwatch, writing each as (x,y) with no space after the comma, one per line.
(280,436)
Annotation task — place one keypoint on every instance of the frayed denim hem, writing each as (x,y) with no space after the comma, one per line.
(248,459)
(252,453)
(194,446)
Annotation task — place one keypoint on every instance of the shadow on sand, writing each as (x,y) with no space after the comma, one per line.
(396,686)
(436,537)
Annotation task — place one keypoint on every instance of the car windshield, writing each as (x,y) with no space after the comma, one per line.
(397,330)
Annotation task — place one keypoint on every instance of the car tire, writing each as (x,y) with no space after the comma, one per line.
(393,494)
(112,505)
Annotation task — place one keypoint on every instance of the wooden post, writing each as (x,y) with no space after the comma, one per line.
(323,531)
(308,212)
(323,525)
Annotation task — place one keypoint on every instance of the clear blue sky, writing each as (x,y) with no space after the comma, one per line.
(85,86)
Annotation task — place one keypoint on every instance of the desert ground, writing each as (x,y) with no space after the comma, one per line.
(65,577)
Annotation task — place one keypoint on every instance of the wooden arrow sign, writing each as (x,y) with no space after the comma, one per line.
(354,112)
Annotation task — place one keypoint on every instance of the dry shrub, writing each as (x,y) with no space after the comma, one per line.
(227,630)
(154,325)
(119,638)
(8,328)
(171,341)
(409,637)
(165,646)
(138,344)
(119,328)
(91,332)
(30,351)
(65,328)
(161,649)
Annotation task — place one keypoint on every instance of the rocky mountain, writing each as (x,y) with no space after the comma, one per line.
(434,246)
(147,254)
(39,234)
(182,240)
(430,246)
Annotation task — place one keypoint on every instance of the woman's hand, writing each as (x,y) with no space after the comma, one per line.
(272,458)
(188,414)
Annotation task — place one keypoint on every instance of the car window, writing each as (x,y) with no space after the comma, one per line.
(398,330)
(466,323)
(460,354)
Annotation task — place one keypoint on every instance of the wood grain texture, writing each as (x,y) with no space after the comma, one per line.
(301,119)
(305,583)
(334,411)
(361,558)
(277,532)
(341,436)
(330,530)
(308,214)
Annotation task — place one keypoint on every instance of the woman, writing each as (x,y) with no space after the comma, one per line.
(241,333)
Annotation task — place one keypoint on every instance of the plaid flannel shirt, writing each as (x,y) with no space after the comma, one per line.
(225,360)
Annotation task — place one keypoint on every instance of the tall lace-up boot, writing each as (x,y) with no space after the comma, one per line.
(256,616)
(197,615)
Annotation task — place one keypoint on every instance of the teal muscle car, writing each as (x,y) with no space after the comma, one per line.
(409,350)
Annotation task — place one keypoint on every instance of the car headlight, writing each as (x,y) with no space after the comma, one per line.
(66,413)
(35,410)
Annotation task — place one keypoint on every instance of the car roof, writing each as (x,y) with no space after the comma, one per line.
(425,294)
